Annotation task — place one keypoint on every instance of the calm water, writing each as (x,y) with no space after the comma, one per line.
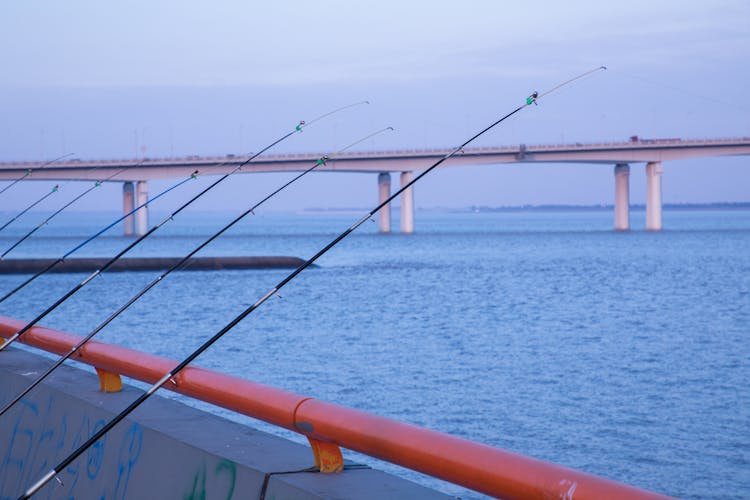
(624,355)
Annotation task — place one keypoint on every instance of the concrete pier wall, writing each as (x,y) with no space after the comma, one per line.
(163,450)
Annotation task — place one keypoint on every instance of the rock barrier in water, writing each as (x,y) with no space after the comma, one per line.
(22,266)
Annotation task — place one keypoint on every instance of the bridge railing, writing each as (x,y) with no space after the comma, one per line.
(483,468)
(641,143)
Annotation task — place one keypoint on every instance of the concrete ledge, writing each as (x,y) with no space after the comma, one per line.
(163,450)
(21,266)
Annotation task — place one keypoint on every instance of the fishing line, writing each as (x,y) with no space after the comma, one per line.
(48,219)
(640,79)
(300,126)
(37,202)
(179,265)
(172,373)
(28,172)
(575,78)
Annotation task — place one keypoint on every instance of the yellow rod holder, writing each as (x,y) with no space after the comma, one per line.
(108,381)
(328,457)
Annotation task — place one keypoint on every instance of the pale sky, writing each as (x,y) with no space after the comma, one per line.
(154,79)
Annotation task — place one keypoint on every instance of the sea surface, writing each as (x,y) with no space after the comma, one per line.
(626,355)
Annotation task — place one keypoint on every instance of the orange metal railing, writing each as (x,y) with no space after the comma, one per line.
(476,466)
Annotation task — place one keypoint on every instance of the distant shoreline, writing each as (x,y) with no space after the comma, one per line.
(546,208)
(669,207)
(594,208)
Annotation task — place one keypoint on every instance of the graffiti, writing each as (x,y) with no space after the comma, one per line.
(231,469)
(44,432)
(70,475)
(224,475)
(130,450)
(198,492)
(20,445)
(95,454)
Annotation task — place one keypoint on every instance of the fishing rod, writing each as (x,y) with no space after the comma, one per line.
(298,128)
(321,161)
(531,99)
(48,219)
(93,237)
(62,259)
(37,202)
(28,172)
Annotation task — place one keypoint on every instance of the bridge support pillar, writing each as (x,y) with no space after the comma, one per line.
(141,216)
(407,204)
(384,191)
(653,196)
(127,207)
(622,197)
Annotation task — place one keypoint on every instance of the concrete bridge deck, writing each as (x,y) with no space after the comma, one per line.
(652,152)
(634,151)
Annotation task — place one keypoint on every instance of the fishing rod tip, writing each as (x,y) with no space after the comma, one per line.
(602,67)
(389,128)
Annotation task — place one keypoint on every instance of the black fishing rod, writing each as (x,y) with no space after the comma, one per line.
(321,161)
(48,219)
(28,172)
(300,126)
(532,99)
(37,202)
(93,237)
(103,230)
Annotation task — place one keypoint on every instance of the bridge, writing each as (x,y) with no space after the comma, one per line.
(651,152)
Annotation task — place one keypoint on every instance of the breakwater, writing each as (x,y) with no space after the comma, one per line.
(20,266)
